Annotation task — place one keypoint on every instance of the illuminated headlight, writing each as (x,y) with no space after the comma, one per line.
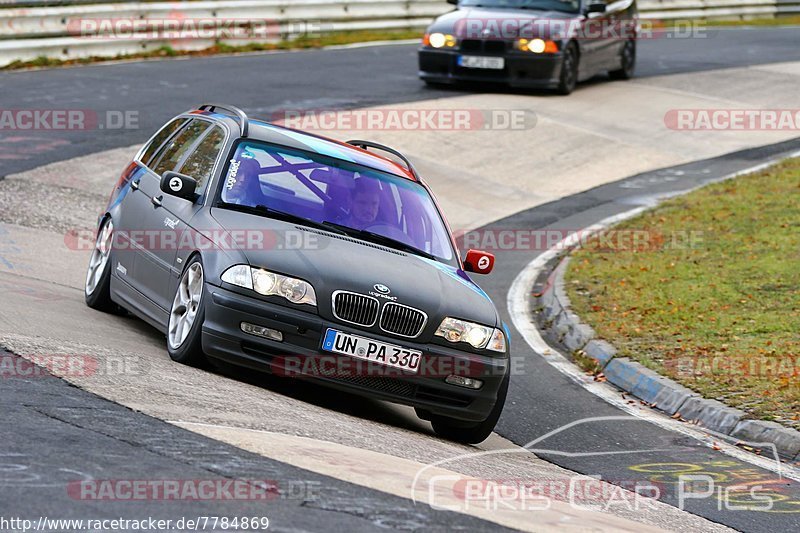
(440,40)
(536,46)
(269,283)
(478,336)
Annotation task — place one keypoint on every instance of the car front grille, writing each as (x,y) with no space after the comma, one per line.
(402,320)
(483,45)
(355,308)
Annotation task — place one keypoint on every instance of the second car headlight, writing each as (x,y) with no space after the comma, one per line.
(269,283)
(439,40)
(476,335)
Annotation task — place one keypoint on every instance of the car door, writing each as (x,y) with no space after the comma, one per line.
(159,228)
(596,40)
(129,225)
(200,163)
(619,31)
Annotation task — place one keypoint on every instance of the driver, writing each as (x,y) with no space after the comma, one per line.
(365,202)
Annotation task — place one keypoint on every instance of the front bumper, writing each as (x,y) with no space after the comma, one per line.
(300,355)
(521,69)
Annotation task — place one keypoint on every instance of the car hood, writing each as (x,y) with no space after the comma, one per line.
(462,22)
(332,262)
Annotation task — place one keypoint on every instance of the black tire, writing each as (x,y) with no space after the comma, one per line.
(465,433)
(627,61)
(569,70)
(98,295)
(190,350)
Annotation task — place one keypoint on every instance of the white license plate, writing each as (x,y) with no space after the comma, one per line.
(370,350)
(494,63)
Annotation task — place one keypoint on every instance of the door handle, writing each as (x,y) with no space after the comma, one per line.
(135,184)
(156,200)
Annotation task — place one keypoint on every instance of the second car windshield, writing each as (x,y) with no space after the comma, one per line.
(370,203)
(568,6)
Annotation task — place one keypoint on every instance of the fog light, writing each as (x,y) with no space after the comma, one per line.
(261,331)
(462,381)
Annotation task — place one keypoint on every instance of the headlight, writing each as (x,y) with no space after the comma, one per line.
(239,275)
(498,341)
(536,46)
(478,336)
(439,40)
(269,283)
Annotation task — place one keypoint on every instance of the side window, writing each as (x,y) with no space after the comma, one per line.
(178,146)
(160,138)
(200,163)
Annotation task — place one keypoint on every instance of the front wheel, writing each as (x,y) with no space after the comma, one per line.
(466,433)
(569,70)
(97,289)
(184,332)
(627,62)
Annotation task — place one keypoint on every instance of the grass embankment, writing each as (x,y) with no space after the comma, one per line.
(713,299)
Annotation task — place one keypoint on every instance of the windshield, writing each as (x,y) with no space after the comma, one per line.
(365,203)
(568,6)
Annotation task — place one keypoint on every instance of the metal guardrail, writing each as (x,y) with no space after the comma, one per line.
(56,31)
(717,9)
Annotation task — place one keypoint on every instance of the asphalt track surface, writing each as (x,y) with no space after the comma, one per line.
(58,428)
(262,84)
(62,435)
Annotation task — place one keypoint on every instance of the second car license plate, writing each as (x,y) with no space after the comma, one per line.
(370,350)
(494,63)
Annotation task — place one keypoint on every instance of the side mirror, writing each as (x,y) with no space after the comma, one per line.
(179,185)
(479,262)
(596,7)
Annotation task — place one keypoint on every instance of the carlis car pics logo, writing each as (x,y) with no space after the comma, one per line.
(382,291)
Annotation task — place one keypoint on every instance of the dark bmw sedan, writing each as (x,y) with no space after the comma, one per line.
(547,44)
(255,245)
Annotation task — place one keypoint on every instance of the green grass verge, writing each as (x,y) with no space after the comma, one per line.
(332,39)
(788,20)
(712,299)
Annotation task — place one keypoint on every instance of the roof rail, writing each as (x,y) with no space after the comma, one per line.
(244,122)
(370,144)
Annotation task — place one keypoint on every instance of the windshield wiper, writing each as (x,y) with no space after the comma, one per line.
(269,212)
(379,239)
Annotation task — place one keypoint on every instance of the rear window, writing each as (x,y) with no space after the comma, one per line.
(160,138)
(200,164)
(176,148)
